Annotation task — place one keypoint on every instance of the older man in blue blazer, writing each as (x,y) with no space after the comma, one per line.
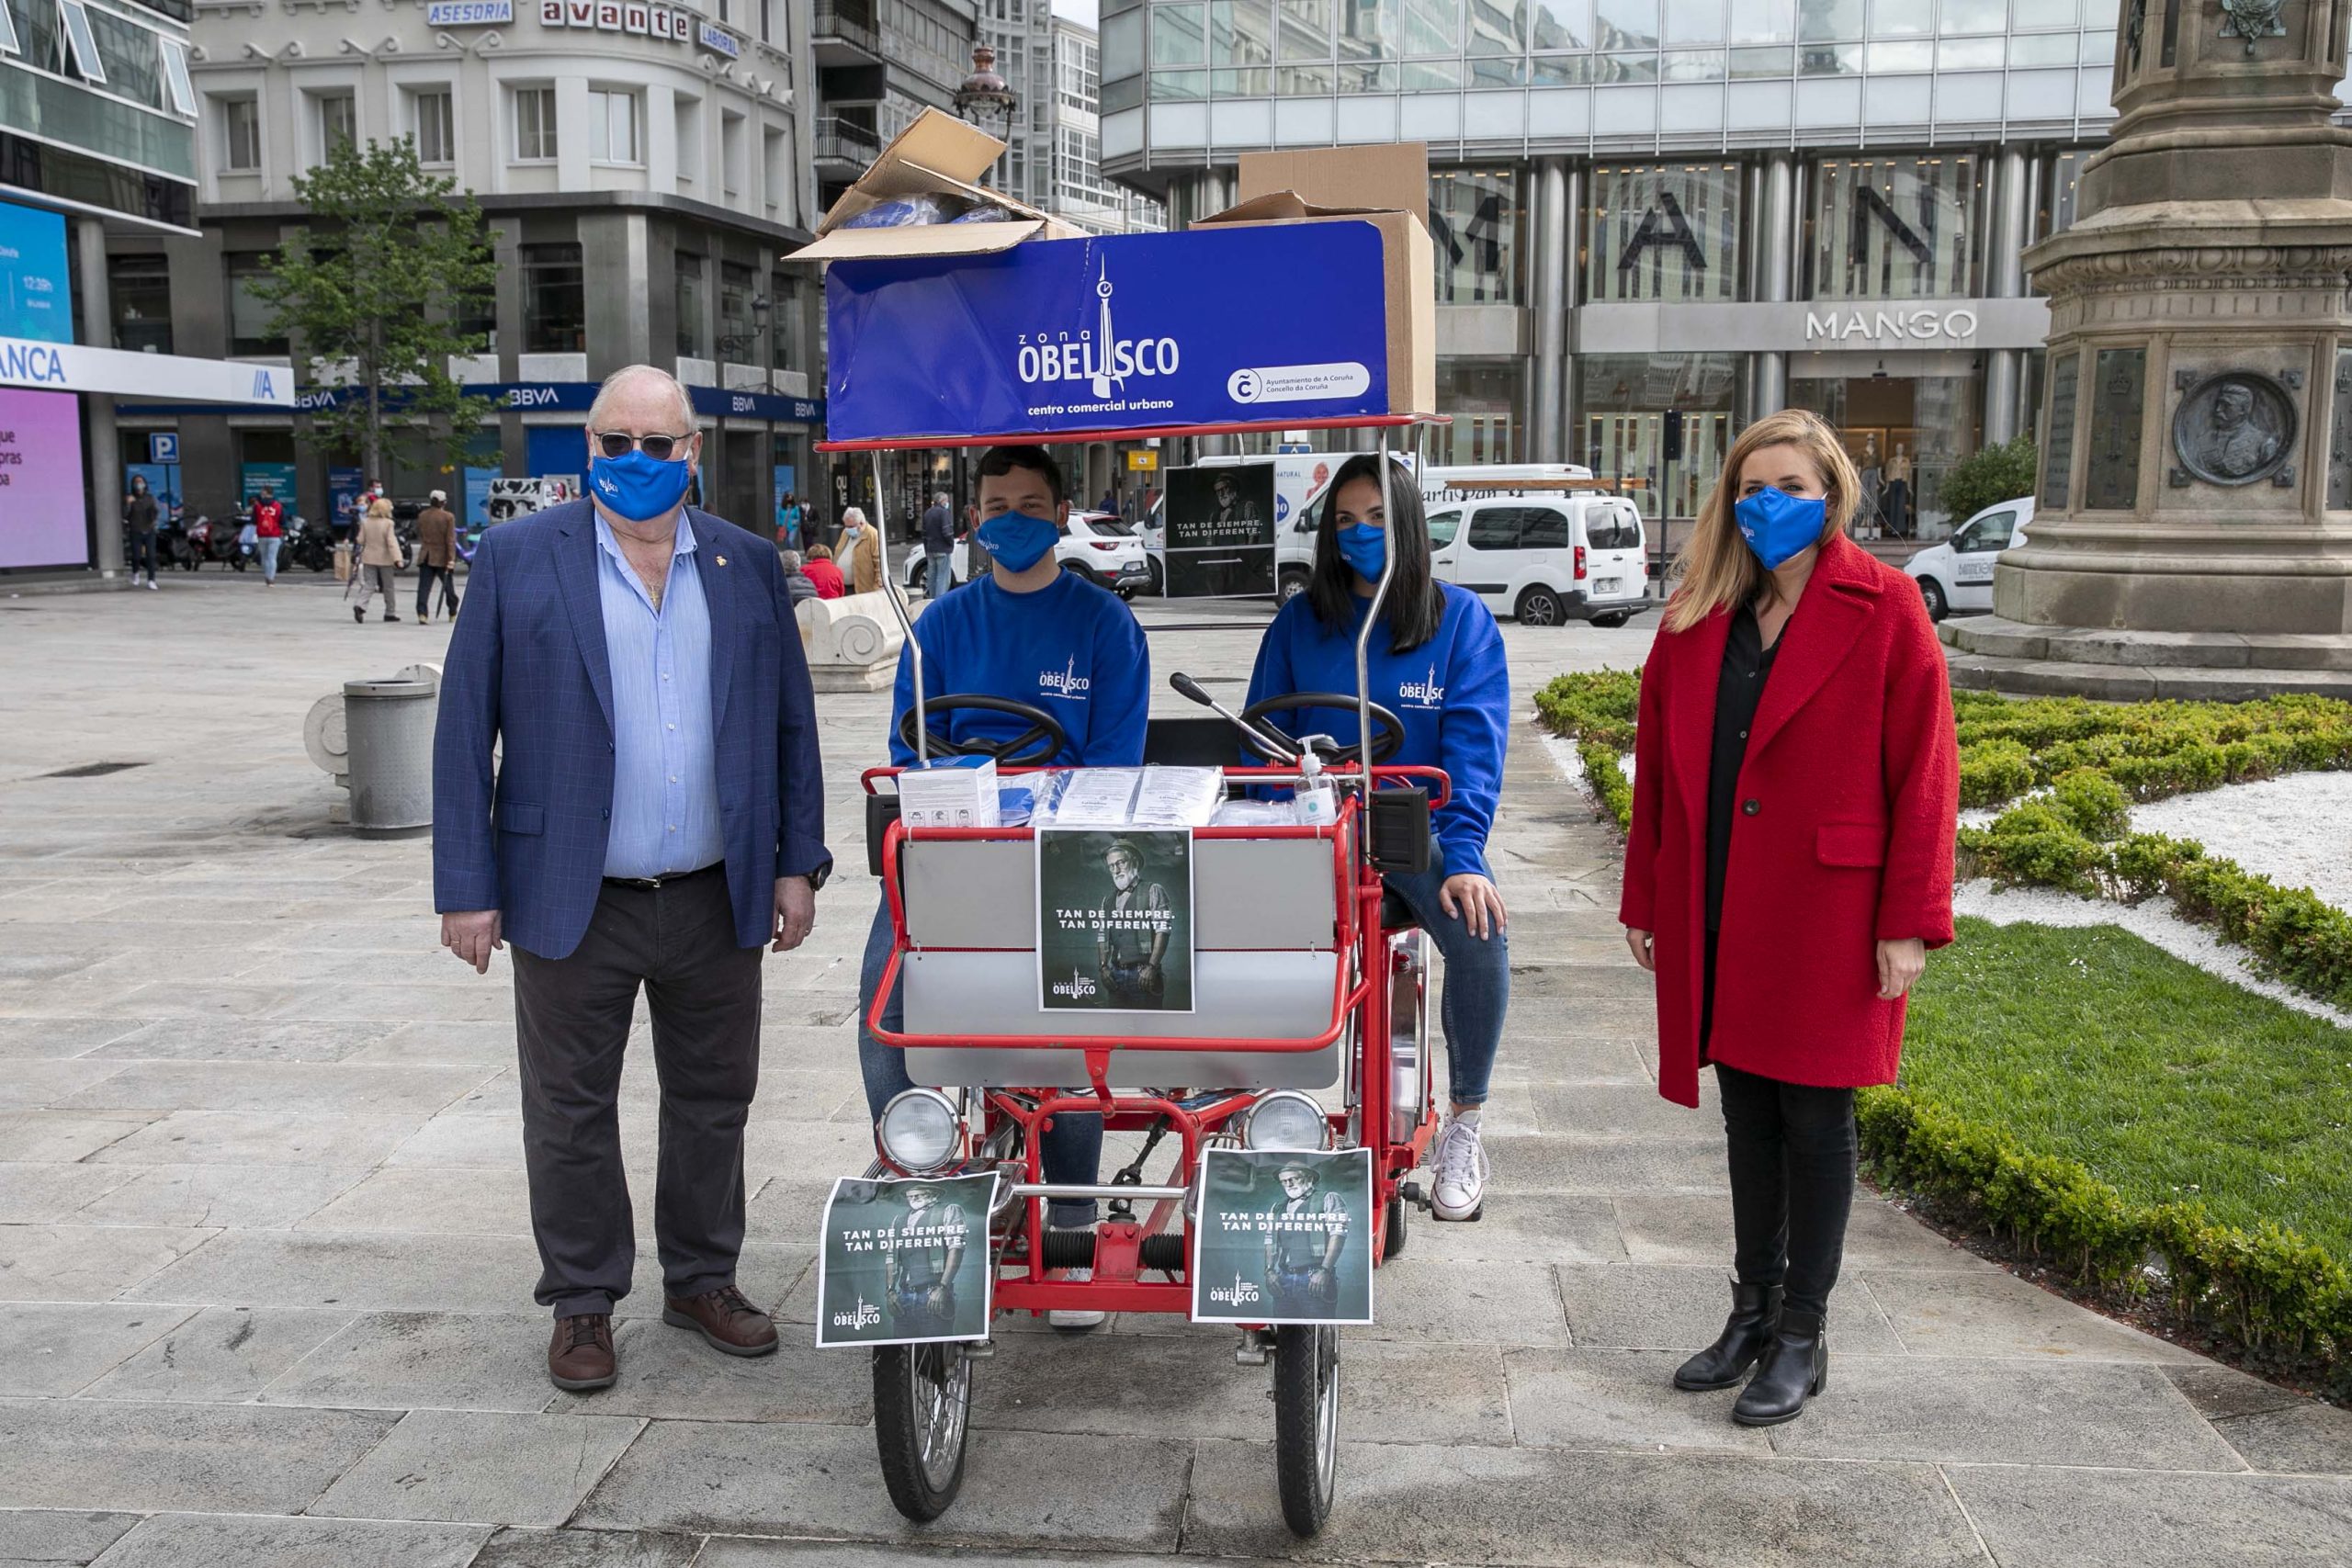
(652,819)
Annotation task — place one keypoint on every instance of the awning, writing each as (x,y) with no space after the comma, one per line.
(78,367)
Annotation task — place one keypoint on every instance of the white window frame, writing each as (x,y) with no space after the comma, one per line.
(417,97)
(547,126)
(10,42)
(177,85)
(81,42)
(228,106)
(601,101)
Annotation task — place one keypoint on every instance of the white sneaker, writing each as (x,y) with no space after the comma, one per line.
(1069,1318)
(151,582)
(1460,1160)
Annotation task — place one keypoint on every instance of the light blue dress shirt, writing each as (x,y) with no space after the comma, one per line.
(665,779)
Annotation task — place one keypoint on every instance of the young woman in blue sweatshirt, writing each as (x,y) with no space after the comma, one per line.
(1436,663)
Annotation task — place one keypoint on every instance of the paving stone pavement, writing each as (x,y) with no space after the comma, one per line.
(266,1266)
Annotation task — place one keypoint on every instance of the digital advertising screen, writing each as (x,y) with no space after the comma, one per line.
(44,511)
(36,293)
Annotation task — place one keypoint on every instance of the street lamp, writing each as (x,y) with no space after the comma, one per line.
(986,99)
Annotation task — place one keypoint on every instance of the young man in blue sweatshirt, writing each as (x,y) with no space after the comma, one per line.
(1437,663)
(1033,632)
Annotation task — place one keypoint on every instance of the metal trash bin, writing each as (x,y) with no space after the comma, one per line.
(389,728)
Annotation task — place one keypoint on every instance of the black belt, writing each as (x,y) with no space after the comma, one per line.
(655,884)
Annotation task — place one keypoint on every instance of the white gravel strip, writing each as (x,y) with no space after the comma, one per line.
(2296,831)
(1563,752)
(2154,920)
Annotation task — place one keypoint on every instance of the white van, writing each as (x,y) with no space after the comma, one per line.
(1541,551)
(1958,573)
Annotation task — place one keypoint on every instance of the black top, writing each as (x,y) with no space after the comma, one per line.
(938,530)
(1746,664)
(140,511)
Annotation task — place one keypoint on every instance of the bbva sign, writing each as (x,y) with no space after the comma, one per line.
(1911,326)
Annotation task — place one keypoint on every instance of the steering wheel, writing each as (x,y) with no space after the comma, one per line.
(1041,742)
(1388,740)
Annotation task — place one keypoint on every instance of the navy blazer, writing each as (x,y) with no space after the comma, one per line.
(527,673)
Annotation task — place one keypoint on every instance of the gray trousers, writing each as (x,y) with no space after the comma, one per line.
(572,1024)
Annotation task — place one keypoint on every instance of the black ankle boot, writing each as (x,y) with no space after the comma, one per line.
(1796,1367)
(1746,1332)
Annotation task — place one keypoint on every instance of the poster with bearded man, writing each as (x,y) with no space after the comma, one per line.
(1114,919)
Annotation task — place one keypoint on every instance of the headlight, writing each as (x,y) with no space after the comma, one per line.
(919,1132)
(1286,1120)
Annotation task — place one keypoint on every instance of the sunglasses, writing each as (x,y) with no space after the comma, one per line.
(613,444)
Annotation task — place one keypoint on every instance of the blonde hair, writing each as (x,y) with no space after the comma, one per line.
(380,507)
(1717,571)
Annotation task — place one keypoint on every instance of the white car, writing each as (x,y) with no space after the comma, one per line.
(1098,546)
(1546,558)
(1958,573)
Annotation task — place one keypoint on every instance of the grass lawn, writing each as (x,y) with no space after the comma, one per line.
(2166,1082)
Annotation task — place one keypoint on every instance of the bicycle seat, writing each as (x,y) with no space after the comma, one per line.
(1395,915)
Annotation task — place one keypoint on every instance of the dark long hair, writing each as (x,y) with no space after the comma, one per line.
(1414,604)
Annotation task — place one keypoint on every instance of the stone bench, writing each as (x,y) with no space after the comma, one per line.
(852,642)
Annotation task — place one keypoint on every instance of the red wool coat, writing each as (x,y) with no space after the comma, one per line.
(1848,799)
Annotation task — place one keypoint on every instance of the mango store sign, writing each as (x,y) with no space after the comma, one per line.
(1880,324)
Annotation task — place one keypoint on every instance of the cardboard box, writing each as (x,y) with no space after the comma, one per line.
(953,792)
(1281,313)
(937,155)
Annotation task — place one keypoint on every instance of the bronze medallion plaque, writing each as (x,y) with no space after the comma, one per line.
(2235,428)
(2058,448)
(2118,393)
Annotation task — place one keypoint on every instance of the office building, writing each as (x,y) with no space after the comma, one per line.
(1717,208)
(640,167)
(1054,154)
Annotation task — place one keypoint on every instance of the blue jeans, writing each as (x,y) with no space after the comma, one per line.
(269,549)
(1477,981)
(1071,1151)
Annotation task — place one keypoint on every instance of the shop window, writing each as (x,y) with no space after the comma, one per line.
(555,306)
(250,316)
(1905,433)
(693,330)
(1894,228)
(1663,232)
(1476,227)
(139,288)
(1624,436)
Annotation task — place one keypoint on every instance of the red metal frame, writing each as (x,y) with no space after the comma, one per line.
(1357,890)
(1161,431)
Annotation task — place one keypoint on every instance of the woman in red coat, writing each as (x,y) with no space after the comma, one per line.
(1795,794)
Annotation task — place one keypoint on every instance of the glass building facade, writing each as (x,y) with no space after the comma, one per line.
(1716,207)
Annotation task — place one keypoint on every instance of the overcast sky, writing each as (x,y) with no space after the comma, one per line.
(1087,11)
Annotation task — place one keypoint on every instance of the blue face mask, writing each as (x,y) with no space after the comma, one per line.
(1364,547)
(1779,526)
(1017,540)
(636,487)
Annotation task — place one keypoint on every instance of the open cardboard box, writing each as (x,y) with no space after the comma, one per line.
(937,155)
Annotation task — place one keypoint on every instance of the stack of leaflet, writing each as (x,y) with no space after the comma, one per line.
(1150,796)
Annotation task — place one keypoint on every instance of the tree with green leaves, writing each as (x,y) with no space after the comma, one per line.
(375,290)
(2003,471)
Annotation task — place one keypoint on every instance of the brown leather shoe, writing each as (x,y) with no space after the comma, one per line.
(579,1355)
(724,1316)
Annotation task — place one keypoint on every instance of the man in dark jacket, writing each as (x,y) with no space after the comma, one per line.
(938,547)
(796,581)
(139,512)
(436,557)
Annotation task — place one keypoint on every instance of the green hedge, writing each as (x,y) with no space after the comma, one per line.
(2281,1300)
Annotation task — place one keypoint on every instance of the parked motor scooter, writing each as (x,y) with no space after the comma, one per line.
(307,544)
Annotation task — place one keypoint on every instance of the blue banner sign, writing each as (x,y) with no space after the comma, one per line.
(36,291)
(469,12)
(718,41)
(1276,325)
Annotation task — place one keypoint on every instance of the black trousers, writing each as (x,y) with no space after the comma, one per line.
(142,555)
(572,1024)
(1792,1149)
(425,577)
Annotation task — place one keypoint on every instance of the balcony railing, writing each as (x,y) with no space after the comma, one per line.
(844,142)
(849,25)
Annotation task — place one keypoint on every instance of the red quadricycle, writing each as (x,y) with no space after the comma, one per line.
(1308,1034)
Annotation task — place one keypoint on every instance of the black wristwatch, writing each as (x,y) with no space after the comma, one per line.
(818,878)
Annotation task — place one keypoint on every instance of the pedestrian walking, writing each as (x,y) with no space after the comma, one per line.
(796,580)
(1795,800)
(437,557)
(138,516)
(269,533)
(665,863)
(823,575)
(938,547)
(789,518)
(860,551)
(379,560)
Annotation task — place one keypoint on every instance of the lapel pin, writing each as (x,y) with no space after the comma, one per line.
(722,560)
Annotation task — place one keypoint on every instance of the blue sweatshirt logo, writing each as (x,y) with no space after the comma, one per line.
(1068,685)
(1422,694)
